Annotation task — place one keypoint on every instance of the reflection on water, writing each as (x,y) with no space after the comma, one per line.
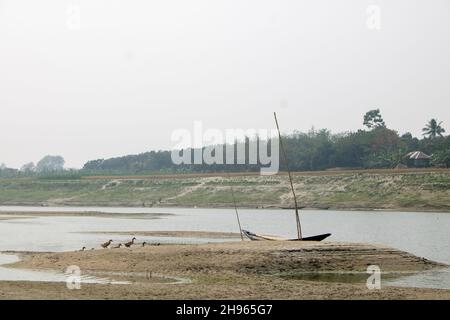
(439,279)
(343,277)
(12,274)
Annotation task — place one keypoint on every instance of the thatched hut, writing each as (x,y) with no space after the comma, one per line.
(418,159)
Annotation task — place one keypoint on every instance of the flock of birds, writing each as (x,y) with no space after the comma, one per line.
(128,244)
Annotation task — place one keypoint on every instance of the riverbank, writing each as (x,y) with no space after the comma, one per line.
(240,270)
(8,214)
(409,190)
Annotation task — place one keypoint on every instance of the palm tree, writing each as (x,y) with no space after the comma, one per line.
(433,129)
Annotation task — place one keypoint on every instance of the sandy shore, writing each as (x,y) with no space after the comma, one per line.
(239,270)
(399,190)
(173,234)
(163,206)
(6,215)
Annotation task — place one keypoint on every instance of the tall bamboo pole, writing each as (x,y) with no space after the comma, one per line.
(297,218)
(235,208)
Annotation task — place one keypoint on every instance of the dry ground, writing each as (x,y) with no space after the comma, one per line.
(241,270)
(401,190)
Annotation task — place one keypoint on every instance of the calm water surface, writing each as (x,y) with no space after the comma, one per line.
(423,234)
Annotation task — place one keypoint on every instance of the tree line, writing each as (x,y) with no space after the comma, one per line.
(377,146)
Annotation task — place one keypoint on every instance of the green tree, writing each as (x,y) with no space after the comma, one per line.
(28,167)
(433,129)
(50,164)
(442,158)
(373,119)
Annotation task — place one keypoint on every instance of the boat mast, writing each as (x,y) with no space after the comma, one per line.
(297,218)
(235,207)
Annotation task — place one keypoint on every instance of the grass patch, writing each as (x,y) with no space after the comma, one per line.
(428,190)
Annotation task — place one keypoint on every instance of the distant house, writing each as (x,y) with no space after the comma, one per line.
(417,159)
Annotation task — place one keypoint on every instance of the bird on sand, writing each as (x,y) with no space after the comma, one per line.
(130,243)
(118,246)
(106,244)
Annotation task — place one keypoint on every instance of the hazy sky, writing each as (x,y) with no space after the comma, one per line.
(133,71)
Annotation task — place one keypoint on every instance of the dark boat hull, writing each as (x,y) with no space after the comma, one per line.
(318,237)
(256,237)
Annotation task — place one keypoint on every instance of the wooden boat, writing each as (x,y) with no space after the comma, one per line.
(256,237)
(259,237)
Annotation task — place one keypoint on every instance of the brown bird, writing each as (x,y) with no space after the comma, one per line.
(144,243)
(106,244)
(82,249)
(118,246)
(130,243)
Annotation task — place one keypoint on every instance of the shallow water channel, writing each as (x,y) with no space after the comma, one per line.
(424,234)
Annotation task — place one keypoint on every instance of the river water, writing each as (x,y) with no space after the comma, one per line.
(424,234)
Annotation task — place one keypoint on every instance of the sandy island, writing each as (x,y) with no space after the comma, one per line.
(172,234)
(238,270)
(7,215)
